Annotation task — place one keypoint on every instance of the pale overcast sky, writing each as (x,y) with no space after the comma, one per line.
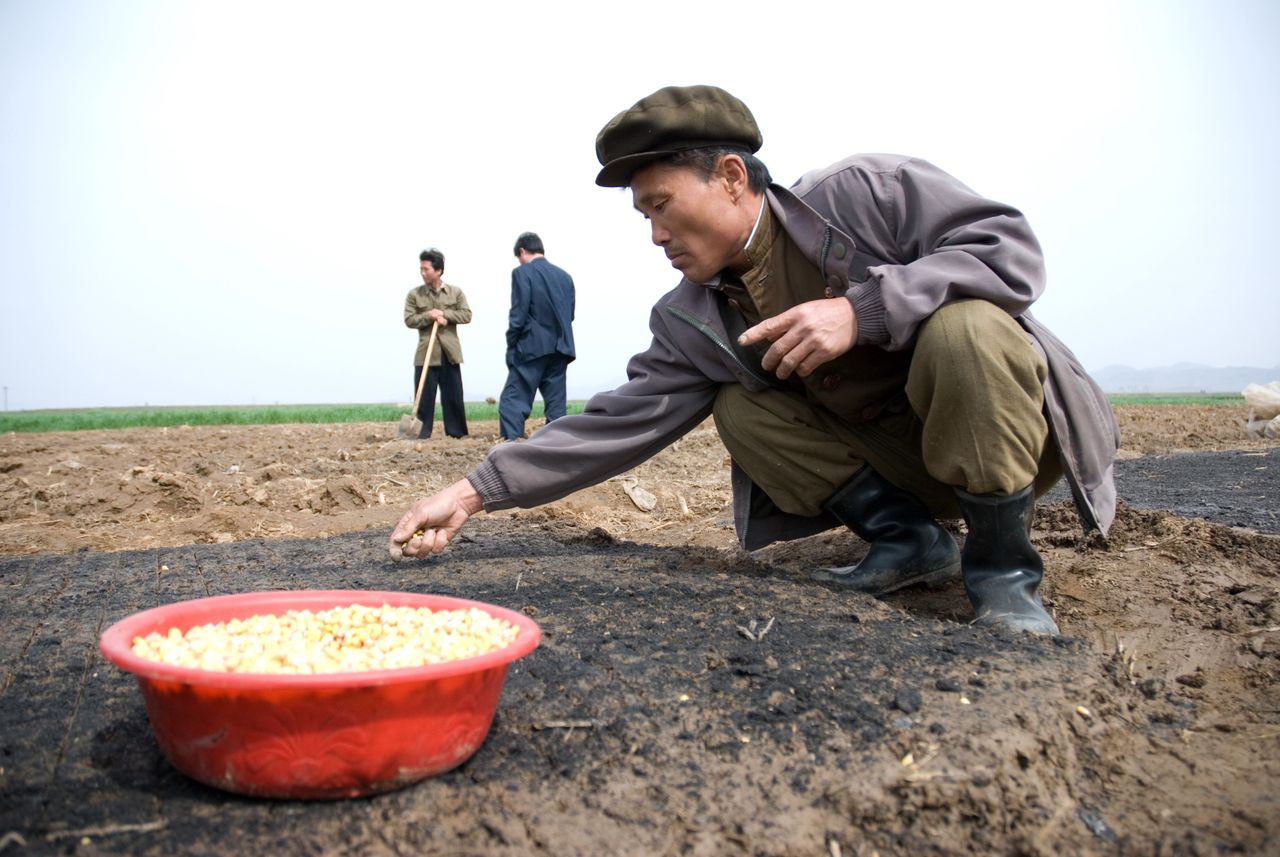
(223,202)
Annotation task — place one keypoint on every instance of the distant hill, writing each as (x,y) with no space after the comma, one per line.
(1182,378)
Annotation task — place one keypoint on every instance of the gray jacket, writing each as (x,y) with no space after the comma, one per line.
(896,236)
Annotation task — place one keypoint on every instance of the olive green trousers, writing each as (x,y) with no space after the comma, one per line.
(975,420)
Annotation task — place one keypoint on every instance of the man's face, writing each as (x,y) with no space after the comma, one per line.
(430,275)
(698,223)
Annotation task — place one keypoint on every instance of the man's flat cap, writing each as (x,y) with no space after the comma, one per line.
(671,120)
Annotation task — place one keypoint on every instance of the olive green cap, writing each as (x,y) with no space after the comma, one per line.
(671,120)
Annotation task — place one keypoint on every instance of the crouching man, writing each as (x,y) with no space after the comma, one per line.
(864,343)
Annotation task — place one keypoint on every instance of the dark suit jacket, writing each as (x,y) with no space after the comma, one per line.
(542,305)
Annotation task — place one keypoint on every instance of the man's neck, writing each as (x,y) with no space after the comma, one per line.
(741,262)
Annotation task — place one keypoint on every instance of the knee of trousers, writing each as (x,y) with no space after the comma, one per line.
(744,418)
(977,383)
(969,347)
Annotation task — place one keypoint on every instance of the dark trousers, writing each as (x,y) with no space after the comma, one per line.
(448,378)
(543,374)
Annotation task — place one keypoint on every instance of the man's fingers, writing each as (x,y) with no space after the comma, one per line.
(405,527)
(805,337)
(406,538)
(784,330)
(419,541)
(810,363)
(789,349)
(772,359)
(768,329)
(433,521)
(431,541)
(794,353)
(418,544)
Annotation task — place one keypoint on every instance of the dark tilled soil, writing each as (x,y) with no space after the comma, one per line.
(1238,488)
(849,726)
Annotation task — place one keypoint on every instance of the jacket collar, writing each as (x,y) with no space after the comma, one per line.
(821,242)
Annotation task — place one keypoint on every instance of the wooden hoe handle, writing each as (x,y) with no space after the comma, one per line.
(426,365)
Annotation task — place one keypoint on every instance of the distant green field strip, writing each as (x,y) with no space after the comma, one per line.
(1176,399)
(117,418)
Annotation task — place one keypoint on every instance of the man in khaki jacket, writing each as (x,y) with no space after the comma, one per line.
(864,342)
(437,302)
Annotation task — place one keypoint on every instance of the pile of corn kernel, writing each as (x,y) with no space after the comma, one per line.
(340,639)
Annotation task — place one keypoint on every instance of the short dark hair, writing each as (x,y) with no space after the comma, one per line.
(434,256)
(529,242)
(705,160)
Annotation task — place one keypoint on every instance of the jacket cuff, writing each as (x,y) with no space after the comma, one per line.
(868,306)
(489,485)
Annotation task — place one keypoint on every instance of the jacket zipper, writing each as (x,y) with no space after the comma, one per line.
(826,246)
(710,333)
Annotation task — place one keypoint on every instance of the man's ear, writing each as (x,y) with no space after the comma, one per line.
(732,170)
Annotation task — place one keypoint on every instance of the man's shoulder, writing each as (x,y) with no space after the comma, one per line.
(864,164)
(547,266)
(543,260)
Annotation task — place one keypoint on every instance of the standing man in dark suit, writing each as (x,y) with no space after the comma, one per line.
(539,337)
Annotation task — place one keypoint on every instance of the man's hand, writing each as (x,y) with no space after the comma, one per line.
(437,316)
(434,521)
(805,336)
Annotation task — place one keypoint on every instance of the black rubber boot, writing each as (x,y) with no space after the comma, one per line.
(1002,568)
(907,545)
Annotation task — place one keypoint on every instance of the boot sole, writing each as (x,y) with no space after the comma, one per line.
(848,578)
(1019,623)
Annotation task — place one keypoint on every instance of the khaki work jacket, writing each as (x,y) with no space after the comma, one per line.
(453,303)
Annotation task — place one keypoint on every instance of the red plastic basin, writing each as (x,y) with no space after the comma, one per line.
(315,736)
